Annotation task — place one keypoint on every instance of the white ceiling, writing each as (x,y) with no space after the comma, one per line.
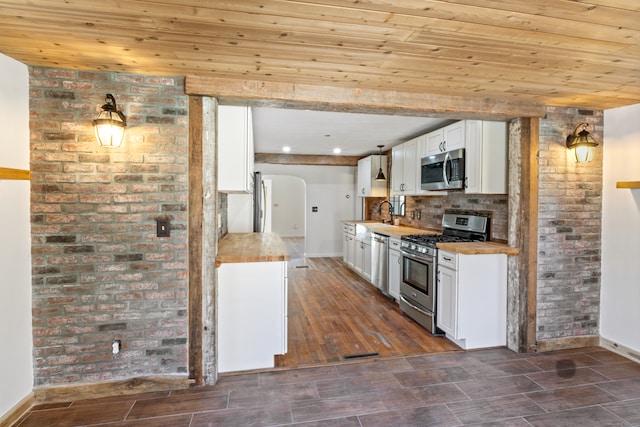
(319,132)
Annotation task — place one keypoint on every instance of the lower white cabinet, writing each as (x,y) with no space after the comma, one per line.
(251,314)
(349,244)
(395,269)
(471,299)
(362,262)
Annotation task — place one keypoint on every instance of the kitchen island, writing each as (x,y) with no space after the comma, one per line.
(251,301)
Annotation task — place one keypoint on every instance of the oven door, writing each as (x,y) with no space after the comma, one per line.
(418,277)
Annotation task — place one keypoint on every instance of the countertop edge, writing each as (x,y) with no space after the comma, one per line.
(478,248)
(251,247)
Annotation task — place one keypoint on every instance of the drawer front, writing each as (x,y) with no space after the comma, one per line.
(394,244)
(448,259)
(349,228)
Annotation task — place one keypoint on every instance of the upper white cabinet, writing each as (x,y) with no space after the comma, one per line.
(403,168)
(486,157)
(367,170)
(447,138)
(235,149)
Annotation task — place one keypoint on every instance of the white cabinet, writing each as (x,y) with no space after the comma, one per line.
(235,149)
(349,244)
(471,299)
(447,138)
(251,314)
(404,162)
(394,270)
(486,157)
(447,300)
(362,262)
(367,185)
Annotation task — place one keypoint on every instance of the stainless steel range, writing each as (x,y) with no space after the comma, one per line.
(419,264)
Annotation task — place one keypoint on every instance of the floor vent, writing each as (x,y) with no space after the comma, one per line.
(358,356)
(302,266)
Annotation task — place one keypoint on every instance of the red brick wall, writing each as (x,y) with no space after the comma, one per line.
(99,271)
(569,221)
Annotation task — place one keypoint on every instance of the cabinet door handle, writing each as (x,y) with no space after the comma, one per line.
(446,258)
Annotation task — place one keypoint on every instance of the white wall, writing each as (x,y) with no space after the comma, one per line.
(332,190)
(287,205)
(16,366)
(620,291)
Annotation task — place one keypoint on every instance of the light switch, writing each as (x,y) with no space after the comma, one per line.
(162,228)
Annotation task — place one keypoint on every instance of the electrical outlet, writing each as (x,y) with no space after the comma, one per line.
(116,346)
(413,214)
(419,213)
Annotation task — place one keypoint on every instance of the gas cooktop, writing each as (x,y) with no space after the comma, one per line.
(456,228)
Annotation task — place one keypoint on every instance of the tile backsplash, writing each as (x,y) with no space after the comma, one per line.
(428,210)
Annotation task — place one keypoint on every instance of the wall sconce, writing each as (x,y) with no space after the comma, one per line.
(110,124)
(380,176)
(582,143)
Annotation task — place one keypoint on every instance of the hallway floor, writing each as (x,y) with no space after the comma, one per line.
(497,387)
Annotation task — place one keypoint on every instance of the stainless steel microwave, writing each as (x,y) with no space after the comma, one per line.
(443,171)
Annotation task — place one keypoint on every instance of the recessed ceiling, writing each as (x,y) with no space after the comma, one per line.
(319,132)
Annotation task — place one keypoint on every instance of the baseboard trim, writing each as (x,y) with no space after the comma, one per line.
(17,411)
(620,349)
(68,393)
(567,343)
(324,255)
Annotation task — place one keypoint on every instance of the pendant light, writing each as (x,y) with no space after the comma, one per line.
(380,176)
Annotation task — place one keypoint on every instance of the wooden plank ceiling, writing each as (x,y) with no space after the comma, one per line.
(583,53)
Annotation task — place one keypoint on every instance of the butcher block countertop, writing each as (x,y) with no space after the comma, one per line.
(478,248)
(390,230)
(251,247)
(465,248)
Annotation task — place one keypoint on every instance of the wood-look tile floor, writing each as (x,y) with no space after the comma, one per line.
(496,387)
(437,387)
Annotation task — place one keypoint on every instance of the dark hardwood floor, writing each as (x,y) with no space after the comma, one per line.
(439,387)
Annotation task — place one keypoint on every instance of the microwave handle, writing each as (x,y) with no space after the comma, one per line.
(445,178)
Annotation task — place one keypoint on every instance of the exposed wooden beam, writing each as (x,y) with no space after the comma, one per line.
(333,98)
(528,230)
(305,159)
(196,371)
(9,173)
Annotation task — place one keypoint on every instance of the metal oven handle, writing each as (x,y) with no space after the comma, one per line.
(427,259)
(447,158)
(403,299)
